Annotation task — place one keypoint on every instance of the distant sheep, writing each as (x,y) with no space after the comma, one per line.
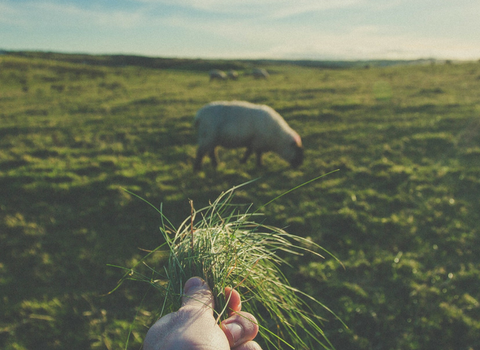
(232,74)
(217,74)
(260,73)
(236,124)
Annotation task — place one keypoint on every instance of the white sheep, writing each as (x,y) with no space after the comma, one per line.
(232,74)
(260,73)
(236,124)
(217,74)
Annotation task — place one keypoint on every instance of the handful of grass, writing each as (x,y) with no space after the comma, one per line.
(227,248)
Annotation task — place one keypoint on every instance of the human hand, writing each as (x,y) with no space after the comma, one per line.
(193,326)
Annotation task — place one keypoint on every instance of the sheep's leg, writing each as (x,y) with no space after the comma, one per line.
(259,158)
(213,156)
(198,161)
(248,153)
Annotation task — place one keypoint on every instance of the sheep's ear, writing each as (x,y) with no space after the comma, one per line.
(297,141)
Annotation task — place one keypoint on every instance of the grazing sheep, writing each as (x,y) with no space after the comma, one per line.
(217,74)
(260,73)
(236,124)
(232,74)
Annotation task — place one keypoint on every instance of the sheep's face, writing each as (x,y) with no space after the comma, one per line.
(297,159)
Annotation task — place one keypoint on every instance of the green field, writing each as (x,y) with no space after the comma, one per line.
(402,214)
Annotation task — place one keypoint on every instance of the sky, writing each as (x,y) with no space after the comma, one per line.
(246,29)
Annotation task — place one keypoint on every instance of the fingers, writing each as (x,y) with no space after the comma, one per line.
(234,301)
(197,294)
(240,328)
(251,345)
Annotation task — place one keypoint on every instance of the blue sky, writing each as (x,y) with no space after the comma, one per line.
(295,29)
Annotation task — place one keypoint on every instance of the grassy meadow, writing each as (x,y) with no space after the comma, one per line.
(402,212)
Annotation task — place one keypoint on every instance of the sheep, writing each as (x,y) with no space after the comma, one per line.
(236,124)
(232,74)
(260,73)
(217,74)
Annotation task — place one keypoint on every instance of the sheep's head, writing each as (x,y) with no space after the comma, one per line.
(292,150)
(297,159)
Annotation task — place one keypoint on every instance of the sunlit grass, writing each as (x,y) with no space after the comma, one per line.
(227,247)
(405,139)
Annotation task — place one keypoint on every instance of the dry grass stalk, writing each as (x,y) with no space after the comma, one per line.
(227,248)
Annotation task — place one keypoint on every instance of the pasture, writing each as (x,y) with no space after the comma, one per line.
(402,212)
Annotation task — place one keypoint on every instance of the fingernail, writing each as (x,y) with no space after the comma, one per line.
(193,283)
(235,330)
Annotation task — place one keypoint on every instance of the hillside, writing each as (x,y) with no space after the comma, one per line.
(204,64)
(401,214)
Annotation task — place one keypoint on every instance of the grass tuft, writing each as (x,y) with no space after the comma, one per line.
(225,246)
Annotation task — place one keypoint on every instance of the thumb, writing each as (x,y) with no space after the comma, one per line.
(240,328)
(197,294)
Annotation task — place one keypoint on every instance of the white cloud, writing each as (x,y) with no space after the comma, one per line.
(8,14)
(365,46)
(258,8)
(298,7)
(42,14)
(258,40)
(370,39)
(368,29)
